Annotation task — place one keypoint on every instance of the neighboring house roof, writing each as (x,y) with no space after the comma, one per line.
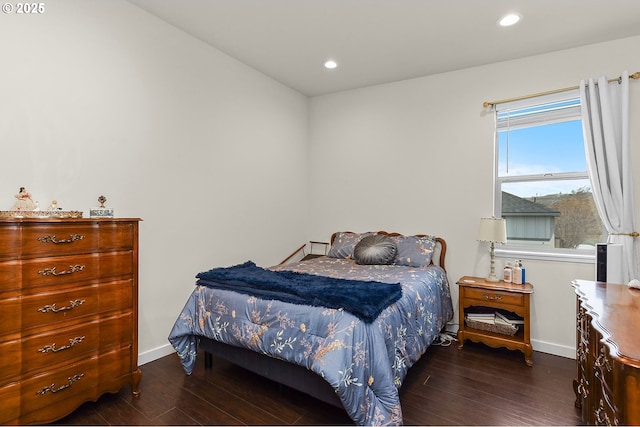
(517,206)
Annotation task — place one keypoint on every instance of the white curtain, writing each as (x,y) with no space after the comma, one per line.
(605,123)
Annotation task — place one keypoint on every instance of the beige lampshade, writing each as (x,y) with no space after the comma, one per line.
(492,230)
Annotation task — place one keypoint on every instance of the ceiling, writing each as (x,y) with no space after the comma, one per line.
(380,41)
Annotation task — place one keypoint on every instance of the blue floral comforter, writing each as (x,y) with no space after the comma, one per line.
(364,363)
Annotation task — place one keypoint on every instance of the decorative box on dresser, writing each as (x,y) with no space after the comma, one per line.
(607,383)
(68,314)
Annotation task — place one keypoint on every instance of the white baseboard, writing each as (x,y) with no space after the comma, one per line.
(542,346)
(154,354)
(555,349)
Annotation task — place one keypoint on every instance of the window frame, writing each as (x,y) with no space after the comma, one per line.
(570,114)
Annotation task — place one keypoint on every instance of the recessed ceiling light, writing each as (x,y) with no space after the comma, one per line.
(330,64)
(509,20)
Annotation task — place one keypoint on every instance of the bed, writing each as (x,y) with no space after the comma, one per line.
(354,356)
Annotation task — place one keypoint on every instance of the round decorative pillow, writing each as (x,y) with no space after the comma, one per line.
(377,249)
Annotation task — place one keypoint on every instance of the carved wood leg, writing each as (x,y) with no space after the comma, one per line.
(460,340)
(135,383)
(578,402)
(528,353)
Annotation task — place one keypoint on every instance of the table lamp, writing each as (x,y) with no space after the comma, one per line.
(492,230)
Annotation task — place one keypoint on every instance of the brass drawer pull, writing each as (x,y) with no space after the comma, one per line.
(52,271)
(53,239)
(53,309)
(52,348)
(492,297)
(53,389)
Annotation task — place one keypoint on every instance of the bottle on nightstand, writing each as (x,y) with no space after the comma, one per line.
(519,277)
(517,273)
(508,273)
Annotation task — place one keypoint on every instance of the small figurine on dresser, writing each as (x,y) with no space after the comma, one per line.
(102,211)
(54,206)
(24,202)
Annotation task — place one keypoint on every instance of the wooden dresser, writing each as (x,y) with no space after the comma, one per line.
(607,383)
(68,314)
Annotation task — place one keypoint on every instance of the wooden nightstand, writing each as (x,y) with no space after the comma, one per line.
(477,292)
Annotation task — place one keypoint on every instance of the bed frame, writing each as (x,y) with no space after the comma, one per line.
(286,373)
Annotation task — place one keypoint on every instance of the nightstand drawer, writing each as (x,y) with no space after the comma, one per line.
(485,296)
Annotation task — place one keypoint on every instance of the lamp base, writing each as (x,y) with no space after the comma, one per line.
(492,271)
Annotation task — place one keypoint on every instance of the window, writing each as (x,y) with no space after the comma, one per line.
(542,184)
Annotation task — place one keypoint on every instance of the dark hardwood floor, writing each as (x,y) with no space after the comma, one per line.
(473,386)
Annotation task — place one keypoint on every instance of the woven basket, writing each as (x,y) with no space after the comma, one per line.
(497,328)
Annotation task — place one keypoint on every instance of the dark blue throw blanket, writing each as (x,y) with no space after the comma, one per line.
(364,299)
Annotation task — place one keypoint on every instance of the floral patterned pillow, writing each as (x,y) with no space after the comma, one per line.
(414,251)
(344,244)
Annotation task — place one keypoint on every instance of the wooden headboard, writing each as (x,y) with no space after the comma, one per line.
(441,245)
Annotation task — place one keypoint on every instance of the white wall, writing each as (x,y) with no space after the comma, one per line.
(102,98)
(416,156)
(217,159)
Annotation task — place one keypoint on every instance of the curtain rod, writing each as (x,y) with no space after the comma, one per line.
(486,104)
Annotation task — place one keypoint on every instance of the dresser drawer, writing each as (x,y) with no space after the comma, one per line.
(42,240)
(10,408)
(116,367)
(116,236)
(11,362)
(116,296)
(10,275)
(50,307)
(47,240)
(10,315)
(77,269)
(60,345)
(62,389)
(484,297)
(10,243)
(116,331)
(59,270)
